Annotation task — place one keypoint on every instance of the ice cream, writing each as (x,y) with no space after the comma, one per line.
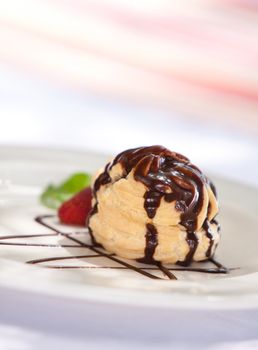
(154,205)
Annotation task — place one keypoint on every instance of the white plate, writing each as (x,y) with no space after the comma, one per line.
(23,174)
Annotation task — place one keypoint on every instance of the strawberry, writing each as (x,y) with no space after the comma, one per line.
(76,210)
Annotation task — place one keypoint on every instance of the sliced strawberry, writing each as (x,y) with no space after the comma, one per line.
(76,210)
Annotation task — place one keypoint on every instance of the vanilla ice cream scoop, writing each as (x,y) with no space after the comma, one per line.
(153,205)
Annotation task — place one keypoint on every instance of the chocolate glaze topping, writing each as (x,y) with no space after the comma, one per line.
(167,175)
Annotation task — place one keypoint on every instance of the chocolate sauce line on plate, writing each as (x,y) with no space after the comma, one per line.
(161,267)
(40,220)
(167,175)
(218,264)
(166,271)
(40,245)
(55,258)
(125,265)
(98,253)
(210,270)
(129,266)
(27,236)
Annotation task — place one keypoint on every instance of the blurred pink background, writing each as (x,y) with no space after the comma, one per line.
(109,74)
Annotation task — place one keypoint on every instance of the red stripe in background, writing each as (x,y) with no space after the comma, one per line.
(251,5)
(219,88)
(194,30)
(160,26)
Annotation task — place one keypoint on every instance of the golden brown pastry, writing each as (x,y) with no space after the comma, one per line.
(152,204)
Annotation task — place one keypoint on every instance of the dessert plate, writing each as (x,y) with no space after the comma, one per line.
(40,255)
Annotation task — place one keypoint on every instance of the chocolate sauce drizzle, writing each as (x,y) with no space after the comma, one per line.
(96,252)
(151,244)
(167,175)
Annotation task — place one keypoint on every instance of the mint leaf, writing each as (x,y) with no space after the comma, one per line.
(75,183)
(53,196)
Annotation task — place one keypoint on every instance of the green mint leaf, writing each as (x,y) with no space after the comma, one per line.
(53,196)
(76,183)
